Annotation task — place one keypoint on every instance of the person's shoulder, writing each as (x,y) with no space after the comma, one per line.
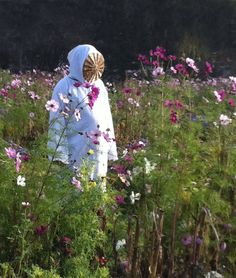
(99,83)
(62,84)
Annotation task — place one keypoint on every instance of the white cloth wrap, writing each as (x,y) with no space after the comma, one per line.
(67,143)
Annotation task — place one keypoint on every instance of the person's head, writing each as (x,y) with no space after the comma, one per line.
(86,63)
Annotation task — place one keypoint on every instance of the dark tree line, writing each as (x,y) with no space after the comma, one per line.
(37,33)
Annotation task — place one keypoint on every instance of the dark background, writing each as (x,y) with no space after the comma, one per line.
(38,34)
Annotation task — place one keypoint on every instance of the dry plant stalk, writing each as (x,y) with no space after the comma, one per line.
(172,241)
(156,256)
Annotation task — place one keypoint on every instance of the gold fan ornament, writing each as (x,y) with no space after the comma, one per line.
(93,67)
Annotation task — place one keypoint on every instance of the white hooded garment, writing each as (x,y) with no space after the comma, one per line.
(89,139)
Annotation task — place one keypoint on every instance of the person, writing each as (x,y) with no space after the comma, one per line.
(80,123)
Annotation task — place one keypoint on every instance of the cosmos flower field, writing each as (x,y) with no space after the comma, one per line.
(168,208)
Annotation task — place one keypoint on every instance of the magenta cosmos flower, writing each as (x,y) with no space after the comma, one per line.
(42,229)
(173,117)
(120,199)
(208,68)
(92,96)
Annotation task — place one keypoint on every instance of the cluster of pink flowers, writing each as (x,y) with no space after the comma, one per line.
(180,68)
(156,55)
(18,156)
(41,230)
(172,105)
(95,136)
(221,95)
(160,60)
(92,96)
(5,91)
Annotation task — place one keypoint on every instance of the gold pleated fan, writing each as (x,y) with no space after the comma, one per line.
(93,67)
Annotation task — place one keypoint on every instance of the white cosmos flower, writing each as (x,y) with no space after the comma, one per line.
(77,114)
(120,243)
(64,98)
(21,181)
(224,119)
(232,78)
(134,197)
(191,63)
(148,166)
(218,96)
(25,204)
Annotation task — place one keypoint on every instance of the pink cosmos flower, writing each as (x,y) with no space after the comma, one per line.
(172,57)
(151,52)
(92,96)
(15,84)
(87,85)
(119,168)
(168,103)
(142,58)
(178,104)
(231,102)
(65,240)
(4,92)
(25,157)
(173,117)
(42,229)
(77,84)
(77,184)
(106,136)
(10,152)
(128,158)
(94,136)
(208,68)
(18,162)
(158,71)
(191,63)
(49,82)
(186,240)
(120,199)
(161,53)
(173,70)
(220,95)
(181,69)
(52,105)
(119,104)
(33,95)
(155,63)
(127,90)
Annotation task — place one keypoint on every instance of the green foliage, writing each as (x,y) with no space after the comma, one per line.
(176,178)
